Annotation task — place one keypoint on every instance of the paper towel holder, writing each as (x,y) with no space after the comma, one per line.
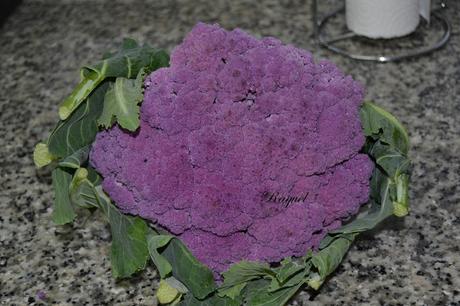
(329,42)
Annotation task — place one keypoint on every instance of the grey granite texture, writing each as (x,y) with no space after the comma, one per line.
(414,261)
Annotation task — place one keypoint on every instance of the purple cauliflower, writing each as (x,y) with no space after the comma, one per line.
(247,149)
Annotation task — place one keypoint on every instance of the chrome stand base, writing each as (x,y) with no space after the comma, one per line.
(404,53)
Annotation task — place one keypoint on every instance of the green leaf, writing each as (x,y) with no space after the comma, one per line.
(81,187)
(167,294)
(289,274)
(258,294)
(129,252)
(329,258)
(294,280)
(236,277)
(76,159)
(175,283)
(245,271)
(80,175)
(287,269)
(232,292)
(127,63)
(390,159)
(80,129)
(401,205)
(121,103)
(154,242)
(315,281)
(387,145)
(129,43)
(213,300)
(82,192)
(159,60)
(62,210)
(334,247)
(187,269)
(93,176)
(378,123)
(78,95)
(377,214)
(327,240)
(396,169)
(42,156)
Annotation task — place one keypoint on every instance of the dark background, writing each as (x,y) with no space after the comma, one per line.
(7,8)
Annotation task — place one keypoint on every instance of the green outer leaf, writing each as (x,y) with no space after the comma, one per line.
(159,60)
(129,43)
(289,274)
(327,240)
(233,292)
(257,294)
(329,258)
(154,242)
(390,159)
(78,178)
(125,63)
(42,156)
(187,269)
(78,95)
(62,210)
(213,300)
(396,167)
(173,282)
(378,213)
(76,159)
(294,280)
(82,193)
(388,148)
(80,129)
(129,252)
(71,139)
(401,205)
(167,294)
(245,271)
(379,123)
(122,102)
(93,176)
(236,277)
(288,268)
(388,144)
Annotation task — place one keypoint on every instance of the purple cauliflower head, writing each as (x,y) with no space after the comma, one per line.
(247,149)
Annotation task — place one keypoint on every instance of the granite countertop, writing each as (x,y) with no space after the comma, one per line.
(414,261)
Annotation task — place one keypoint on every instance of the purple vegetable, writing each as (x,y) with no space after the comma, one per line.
(247,149)
(41,295)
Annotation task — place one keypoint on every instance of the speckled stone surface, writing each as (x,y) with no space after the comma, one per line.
(414,261)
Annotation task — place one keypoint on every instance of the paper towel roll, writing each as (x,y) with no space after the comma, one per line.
(382,18)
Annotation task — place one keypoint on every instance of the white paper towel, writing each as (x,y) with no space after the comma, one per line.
(385,18)
(425,9)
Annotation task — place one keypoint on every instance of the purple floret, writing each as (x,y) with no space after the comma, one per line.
(233,120)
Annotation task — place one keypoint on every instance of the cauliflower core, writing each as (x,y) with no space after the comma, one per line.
(231,131)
